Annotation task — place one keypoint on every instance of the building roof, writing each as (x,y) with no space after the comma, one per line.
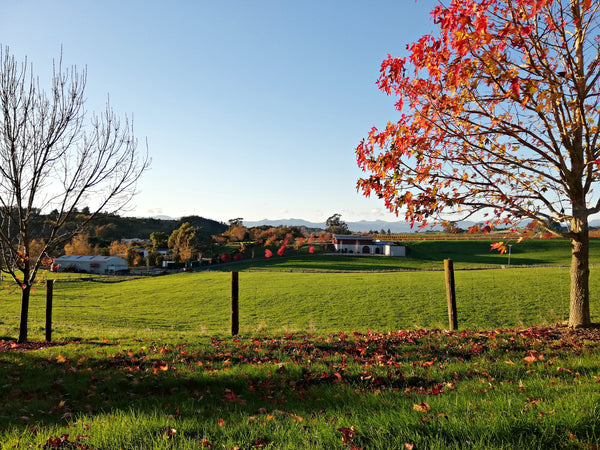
(88,258)
(351,237)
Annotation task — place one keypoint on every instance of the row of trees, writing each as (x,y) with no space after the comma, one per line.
(190,242)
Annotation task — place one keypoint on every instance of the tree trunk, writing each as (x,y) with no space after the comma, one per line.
(24,314)
(579,314)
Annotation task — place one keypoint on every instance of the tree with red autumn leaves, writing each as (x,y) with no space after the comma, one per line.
(499,115)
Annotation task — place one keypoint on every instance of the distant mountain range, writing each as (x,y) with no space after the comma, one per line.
(366,225)
(356,227)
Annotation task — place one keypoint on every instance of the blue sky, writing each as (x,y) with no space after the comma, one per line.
(251,109)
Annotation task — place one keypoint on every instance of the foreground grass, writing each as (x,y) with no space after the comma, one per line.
(513,389)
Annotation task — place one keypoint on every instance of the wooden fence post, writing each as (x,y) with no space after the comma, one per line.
(451,294)
(49,293)
(235,306)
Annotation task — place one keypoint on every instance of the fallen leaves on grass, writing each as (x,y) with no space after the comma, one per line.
(348,434)
(64,442)
(285,369)
(9,345)
(422,407)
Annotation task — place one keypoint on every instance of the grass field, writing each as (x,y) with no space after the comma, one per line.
(349,358)
(286,294)
(427,255)
(199,303)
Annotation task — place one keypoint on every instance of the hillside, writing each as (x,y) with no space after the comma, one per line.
(108,227)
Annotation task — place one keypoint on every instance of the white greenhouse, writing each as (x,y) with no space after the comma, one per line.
(90,264)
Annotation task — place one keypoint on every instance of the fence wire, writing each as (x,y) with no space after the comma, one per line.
(279,302)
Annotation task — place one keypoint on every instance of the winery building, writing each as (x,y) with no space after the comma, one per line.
(364,245)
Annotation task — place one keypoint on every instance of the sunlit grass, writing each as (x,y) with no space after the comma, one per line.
(199,303)
(529,388)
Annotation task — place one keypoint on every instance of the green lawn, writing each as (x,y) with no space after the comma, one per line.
(503,389)
(352,357)
(320,294)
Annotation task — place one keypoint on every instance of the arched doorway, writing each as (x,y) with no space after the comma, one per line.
(366,249)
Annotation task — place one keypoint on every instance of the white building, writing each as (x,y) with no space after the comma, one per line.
(90,264)
(364,245)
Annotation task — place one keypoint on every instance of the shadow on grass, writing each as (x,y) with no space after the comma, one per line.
(337,380)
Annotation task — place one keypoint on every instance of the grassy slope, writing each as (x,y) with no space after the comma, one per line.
(426,254)
(316,302)
(279,294)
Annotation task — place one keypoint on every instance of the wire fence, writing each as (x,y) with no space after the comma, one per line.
(277,302)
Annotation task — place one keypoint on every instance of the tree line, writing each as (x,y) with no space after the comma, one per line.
(189,242)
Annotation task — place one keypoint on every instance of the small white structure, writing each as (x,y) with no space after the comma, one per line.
(392,249)
(90,264)
(364,245)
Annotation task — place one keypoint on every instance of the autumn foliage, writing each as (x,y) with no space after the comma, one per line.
(499,115)
(492,109)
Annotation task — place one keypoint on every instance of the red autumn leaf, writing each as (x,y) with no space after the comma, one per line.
(348,434)
(170,432)
(474,229)
(572,436)
(436,390)
(500,246)
(421,407)
(221,422)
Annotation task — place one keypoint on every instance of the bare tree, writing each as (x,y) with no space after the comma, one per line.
(52,158)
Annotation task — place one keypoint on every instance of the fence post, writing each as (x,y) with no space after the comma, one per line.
(451,294)
(235,306)
(49,292)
